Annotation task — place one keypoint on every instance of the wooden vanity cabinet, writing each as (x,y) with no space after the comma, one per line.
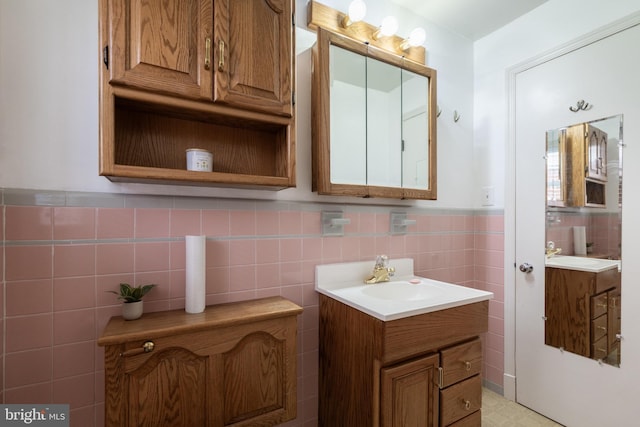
(582,311)
(232,365)
(214,75)
(411,372)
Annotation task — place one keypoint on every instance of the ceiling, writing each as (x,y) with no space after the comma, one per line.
(470,18)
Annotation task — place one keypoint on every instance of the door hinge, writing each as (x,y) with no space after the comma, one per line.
(105,56)
(293,98)
(440,377)
(293,19)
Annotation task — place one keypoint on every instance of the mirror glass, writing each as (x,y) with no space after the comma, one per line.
(583,239)
(348,89)
(415,130)
(384,132)
(379,122)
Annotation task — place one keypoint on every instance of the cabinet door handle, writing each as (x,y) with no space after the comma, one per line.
(147,347)
(467,404)
(221,58)
(207,53)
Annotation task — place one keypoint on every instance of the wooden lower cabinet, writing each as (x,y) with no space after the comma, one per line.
(410,393)
(582,311)
(410,372)
(232,365)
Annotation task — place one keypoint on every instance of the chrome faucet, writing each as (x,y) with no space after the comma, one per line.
(381,271)
(551,249)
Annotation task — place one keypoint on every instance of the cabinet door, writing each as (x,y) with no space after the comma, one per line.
(161,45)
(410,394)
(169,386)
(253,46)
(597,153)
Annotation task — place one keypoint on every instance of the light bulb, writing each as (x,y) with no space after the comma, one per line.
(388,28)
(416,38)
(357,11)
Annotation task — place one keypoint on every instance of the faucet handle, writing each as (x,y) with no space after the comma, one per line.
(382,261)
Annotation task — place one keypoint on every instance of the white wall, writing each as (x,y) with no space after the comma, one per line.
(49,61)
(554,23)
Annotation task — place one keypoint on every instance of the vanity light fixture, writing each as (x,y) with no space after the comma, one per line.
(381,37)
(416,38)
(388,28)
(357,11)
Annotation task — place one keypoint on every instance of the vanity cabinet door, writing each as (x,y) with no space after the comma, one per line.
(410,393)
(253,44)
(596,141)
(160,45)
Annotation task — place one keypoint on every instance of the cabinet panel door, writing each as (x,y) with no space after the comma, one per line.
(597,153)
(254,384)
(161,45)
(410,394)
(169,389)
(253,47)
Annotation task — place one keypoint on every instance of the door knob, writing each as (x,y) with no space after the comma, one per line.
(526,267)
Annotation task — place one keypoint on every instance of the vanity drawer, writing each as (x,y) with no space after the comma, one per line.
(599,305)
(460,400)
(599,328)
(460,362)
(607,279)
(599,349)
(473,420)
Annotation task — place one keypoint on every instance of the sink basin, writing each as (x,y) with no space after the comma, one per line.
(594,265)
(406,295)
(402,291)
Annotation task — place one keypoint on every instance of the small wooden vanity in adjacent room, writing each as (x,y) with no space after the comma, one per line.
(233,364)
(582,311)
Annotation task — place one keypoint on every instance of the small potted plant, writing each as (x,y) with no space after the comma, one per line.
(132,299)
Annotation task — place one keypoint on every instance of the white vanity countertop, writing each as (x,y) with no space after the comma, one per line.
(405,295)
(592,265)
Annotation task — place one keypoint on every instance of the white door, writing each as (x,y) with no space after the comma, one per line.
(574,390)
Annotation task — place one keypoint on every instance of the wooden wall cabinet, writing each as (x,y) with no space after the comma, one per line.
(587,160)
(417,371)
(232,365)
(216,75)
(582,311)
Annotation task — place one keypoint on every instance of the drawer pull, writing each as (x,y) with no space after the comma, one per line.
(602,305)
(147,347)
(602,328)
(467,366)
(467,404)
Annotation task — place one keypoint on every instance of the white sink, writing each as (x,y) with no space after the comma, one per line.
(594,265)
(402,291)
(405,295)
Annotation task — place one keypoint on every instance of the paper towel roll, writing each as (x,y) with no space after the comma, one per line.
(195,271)
(579,240)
